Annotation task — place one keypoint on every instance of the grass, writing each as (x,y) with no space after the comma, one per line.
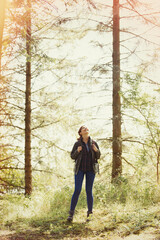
(120,209)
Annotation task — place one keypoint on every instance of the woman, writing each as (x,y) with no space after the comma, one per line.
(85,152)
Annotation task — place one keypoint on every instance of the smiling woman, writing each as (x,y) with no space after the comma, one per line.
(85,152)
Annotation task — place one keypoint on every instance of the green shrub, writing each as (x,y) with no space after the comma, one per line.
(143,192)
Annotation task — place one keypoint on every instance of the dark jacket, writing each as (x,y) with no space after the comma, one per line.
(78,155)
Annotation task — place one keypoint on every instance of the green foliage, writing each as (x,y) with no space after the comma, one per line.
(133,81)
(140,191)
(143,109)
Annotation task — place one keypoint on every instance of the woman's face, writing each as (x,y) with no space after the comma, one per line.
(84,131)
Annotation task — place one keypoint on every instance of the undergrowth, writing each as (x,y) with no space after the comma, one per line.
(127,206)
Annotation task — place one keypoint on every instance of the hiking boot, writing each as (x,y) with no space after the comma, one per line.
(89,216)
(70,217)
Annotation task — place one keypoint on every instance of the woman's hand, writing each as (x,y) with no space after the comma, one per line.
(94,148)
(79,149)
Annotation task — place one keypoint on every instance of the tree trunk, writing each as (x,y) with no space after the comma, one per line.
(158,155)
(2,18)
(116,138)
(28,167)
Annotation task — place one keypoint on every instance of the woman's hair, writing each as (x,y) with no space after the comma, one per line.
(79,132)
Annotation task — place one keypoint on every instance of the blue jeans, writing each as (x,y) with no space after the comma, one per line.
(78,186)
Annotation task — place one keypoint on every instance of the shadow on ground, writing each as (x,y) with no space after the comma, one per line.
(71,233)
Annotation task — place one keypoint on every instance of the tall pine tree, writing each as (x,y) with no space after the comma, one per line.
(117,143)
(28,167)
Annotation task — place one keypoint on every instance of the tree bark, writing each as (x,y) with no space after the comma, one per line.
(116,138)
(2,19)
(28,167)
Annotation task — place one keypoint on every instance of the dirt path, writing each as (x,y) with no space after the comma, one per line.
(147,234)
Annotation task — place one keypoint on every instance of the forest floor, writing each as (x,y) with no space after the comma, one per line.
(119,213)
(102,226)
(149,233)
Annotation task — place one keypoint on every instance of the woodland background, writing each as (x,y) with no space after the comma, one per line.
(57,72)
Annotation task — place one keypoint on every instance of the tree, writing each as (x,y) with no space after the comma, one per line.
(2,80)
(41,63)
(116,139)
(2,19)
(28,167)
